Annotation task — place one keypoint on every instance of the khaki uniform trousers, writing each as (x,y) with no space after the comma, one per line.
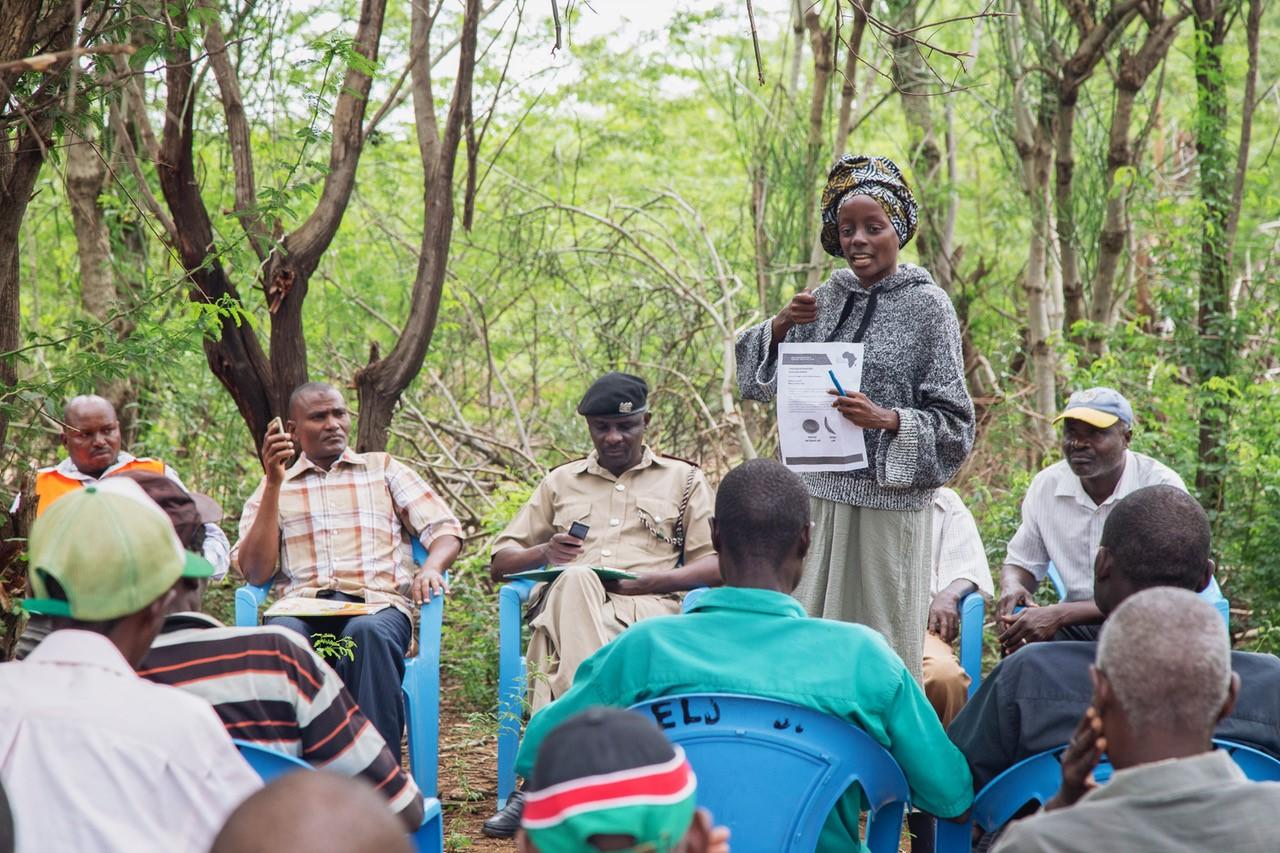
(945,684)
(578,617)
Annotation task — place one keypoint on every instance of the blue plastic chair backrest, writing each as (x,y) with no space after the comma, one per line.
(1258,766)
(1038,778)
(268,763)
(271,764)
(772,771)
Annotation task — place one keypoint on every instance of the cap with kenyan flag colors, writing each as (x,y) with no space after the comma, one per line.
(609,772)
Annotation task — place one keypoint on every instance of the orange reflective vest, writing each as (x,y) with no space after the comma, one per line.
(50,485)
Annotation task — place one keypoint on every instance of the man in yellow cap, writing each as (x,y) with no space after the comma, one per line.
(1062,518)
(93,757)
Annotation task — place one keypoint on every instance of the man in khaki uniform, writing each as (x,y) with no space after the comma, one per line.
(646,513)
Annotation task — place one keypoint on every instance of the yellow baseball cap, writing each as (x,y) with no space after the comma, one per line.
(1099,407)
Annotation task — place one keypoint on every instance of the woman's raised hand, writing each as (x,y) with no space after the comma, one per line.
(800,311)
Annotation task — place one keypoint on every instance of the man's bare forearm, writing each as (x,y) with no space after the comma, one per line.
(1078,613)
(1015,577)
(704,571)
(260,548)
(511,560)
(443,551)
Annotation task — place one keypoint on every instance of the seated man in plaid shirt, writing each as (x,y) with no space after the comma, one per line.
(333,523)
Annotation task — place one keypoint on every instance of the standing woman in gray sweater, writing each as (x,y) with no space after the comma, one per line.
(869,561)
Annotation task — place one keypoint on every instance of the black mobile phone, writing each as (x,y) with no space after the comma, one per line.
(578,529)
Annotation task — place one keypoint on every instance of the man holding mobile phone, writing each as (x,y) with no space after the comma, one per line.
(622,507)
(333,524)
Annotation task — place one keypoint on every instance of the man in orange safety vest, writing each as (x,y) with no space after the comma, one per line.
(91,435)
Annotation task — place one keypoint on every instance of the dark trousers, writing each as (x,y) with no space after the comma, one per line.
(374,677)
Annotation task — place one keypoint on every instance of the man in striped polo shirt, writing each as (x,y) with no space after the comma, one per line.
(266,684)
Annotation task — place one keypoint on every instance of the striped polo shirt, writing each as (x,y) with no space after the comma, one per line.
(269,687)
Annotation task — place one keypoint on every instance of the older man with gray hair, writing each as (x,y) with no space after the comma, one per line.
(1155,705)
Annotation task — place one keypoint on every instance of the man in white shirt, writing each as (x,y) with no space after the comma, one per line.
(1062,517)
(959,568)
(93,757)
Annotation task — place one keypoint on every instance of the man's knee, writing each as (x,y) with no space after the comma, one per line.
(575,585)
(381,629)
(291,623)
(944,676)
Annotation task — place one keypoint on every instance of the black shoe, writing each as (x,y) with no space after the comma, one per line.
(505,823)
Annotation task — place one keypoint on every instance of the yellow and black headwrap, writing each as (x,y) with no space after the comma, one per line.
(877,177)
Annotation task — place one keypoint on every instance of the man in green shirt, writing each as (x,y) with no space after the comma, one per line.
(751,637)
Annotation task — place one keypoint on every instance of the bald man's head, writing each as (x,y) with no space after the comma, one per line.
(91,434)
(341,815)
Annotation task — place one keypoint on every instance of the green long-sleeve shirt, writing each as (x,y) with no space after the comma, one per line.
(761,643)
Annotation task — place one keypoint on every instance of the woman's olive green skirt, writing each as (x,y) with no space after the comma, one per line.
(871,566)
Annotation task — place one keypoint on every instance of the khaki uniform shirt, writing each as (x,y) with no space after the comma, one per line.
(616,509)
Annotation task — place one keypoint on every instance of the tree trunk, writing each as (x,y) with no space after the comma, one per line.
(820,41)
(259,385)
(1033,134)
(381,382)
(235,356)
(1068,246)
(86,178)
(1039,299)
(797,46)
(1218,342)
(27,27)
(24,141)
(844,121)
(912,78)
(760,241)
(1133,71)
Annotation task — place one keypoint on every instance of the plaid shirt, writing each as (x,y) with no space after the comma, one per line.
(344,529)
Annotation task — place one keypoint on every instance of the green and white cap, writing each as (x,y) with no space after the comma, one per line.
(110,548)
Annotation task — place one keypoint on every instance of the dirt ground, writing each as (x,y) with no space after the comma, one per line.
(468,776)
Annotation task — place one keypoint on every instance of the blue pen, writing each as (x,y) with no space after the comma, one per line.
(839,390)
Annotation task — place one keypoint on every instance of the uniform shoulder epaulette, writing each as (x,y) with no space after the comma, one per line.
(680,459)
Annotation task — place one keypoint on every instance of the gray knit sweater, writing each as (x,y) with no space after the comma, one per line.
(912,364)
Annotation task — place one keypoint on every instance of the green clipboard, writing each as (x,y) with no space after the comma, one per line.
(550,574)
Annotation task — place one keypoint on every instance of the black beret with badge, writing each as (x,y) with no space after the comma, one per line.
(615,395)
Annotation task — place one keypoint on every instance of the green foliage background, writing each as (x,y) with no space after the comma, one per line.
(608,195)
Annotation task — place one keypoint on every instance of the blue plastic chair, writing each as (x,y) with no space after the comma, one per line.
(512,681)
(421,683)
(1211,593)
(513,676)
(1037,779)
(270,764)
(772,771)
(972,614)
